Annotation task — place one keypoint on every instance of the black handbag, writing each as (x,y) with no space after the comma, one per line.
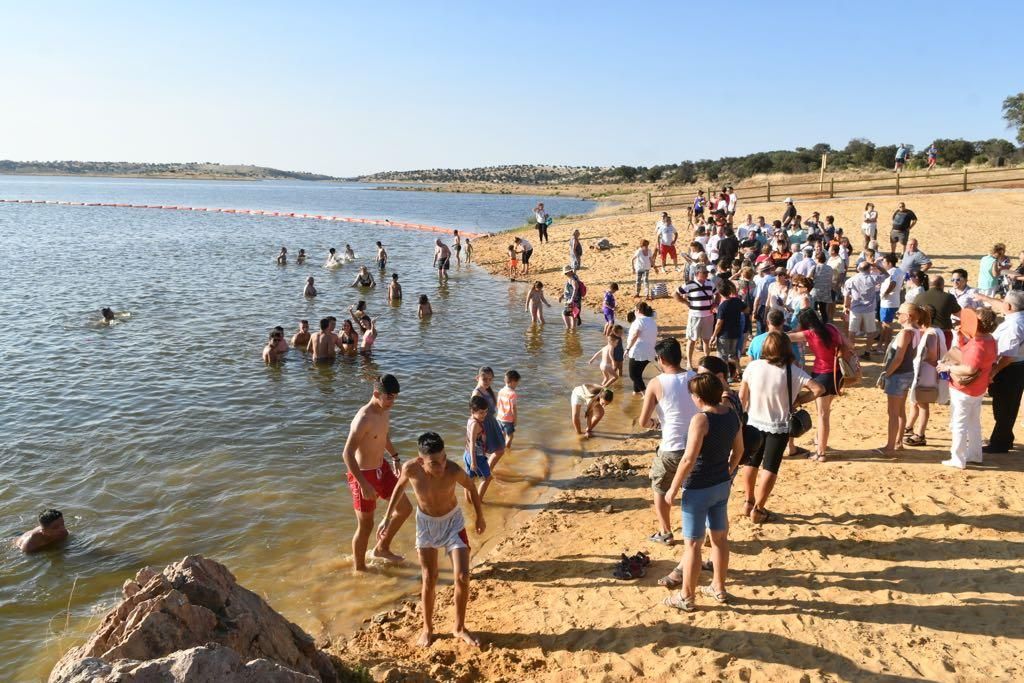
(799,420)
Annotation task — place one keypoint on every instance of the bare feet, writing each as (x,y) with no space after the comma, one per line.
(467,636)
(425,639)
(386,555)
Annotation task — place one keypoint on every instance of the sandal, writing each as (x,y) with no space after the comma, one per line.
(819,457)
(709,591)
(800,452)
(915,440)
(670,581)
(748,507)
(680,602)
(665,538)
(631,567)
(764,513)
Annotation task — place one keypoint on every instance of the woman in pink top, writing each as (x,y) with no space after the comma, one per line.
(969,379)
(825,342)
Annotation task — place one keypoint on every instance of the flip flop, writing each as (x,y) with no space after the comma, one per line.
(766,515)
(800,452)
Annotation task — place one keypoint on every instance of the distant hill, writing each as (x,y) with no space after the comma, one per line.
(140,170)
(519,174)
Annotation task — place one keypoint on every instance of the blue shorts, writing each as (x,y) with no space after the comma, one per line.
(705,509)
(609,314)
(508,427)
(483,468)
(887,315)
(898,384)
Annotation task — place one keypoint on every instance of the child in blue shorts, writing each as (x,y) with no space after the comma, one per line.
(475,456)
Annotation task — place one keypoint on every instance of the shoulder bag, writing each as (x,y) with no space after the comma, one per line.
(799,420)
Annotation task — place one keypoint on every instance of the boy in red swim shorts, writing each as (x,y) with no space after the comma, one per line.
(369,476)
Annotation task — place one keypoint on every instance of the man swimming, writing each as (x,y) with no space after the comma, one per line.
(442,259)
(108,315)
(382,256)
(282,258)
(51,530)
(369,477)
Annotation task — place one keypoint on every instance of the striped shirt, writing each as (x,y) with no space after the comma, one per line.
(699,297)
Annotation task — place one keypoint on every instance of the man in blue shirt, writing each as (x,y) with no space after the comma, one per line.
(762,280)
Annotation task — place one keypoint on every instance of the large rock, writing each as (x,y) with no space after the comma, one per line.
(190,604)
(208,663)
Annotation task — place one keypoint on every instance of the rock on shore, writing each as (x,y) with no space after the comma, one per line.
(194,622)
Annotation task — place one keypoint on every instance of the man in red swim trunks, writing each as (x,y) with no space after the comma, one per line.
(369,476)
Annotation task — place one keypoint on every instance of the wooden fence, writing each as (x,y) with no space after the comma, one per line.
(894,183)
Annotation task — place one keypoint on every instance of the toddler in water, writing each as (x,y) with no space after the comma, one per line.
(534,300)
(507,412)
(309,290)
(469,251)
(513,263)
(424,310)
(607,364)
(608,308)
(591,399)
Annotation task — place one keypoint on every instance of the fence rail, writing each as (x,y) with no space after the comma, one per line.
(831,188)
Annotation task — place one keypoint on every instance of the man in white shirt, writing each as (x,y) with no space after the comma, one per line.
(668,394)
(762,281)
(965,295)
(860,296)
(805,266)
(733,201)
(712,245)
(747,229)
(1007,383)
(889,295)
(666,241)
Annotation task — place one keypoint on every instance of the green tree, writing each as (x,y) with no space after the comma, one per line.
(1013,112)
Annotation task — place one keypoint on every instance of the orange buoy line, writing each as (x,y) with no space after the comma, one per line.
(253,212)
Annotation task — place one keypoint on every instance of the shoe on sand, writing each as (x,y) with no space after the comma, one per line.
(952,463)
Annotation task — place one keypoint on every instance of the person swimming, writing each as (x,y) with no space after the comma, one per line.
(51,530)
(350,255)
(108,315)
(424,310)
(364,279)
(309,290)
(394,289)
(332,259)
(301,258)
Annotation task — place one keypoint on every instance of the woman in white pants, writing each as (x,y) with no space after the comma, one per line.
(969,379)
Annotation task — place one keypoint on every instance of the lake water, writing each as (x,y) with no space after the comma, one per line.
(165,435)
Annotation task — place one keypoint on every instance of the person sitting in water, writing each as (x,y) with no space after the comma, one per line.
(350,255)
(51,530)
(332,259)
(394,289)
(309,290)
(592,399)
(424,310)
(364,279)
(301,258)
(108,315)
(272,352)
(301,338)
(282,258)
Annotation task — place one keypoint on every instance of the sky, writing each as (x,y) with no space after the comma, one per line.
(347,88)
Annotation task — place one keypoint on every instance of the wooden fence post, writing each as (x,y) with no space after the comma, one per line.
(648,202)
(965,179)
(832,187)
(768,191)
(897,184)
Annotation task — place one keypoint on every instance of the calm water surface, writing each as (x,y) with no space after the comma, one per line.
(164,435)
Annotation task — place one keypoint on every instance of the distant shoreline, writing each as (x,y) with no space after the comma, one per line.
(159,176)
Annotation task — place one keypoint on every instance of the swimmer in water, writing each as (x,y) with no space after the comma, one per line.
(301,258)
(332,259)
(108,315)
(370,333)
(364,279)
(350,255)
(382,256)
(309,290)
(272,352)
(51,530)
(300,339)
(348,340)
(424,310)
(323,343)
(394,289)
(282,258)
(282,345)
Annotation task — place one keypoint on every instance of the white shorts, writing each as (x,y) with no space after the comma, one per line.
(870,229)
(700,328)
(448,532)
(862,324)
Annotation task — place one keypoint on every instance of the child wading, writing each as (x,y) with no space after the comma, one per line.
(439,524)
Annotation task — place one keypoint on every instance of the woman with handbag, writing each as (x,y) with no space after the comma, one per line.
(898,374)
(926,388)
(827,343)
(772,387)
(969,365)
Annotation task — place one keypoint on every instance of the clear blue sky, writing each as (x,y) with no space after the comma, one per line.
(353,87)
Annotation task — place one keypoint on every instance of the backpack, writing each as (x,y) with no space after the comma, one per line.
(581,289)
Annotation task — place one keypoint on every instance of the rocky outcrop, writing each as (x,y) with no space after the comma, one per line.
(173,621)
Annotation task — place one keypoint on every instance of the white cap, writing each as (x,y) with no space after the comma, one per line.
(789,200)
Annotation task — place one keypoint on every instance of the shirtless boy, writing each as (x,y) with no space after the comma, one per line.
(323,344)
(382,256)
(300,339)
(310,289)
(370,478)
(439,524)
(51,530)
(591,399)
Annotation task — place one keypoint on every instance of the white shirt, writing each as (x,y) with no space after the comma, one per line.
(1010,336)
(645,331)
(769,408)
(666,234)
(675,409)
(745,231)
(732,201)
(892,300)
(642,261)
(965,298)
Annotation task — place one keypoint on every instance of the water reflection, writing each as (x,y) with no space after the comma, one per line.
(571,348)
(534,339)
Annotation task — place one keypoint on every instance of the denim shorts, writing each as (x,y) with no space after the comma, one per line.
(898,384)
(705,509)
(508,427)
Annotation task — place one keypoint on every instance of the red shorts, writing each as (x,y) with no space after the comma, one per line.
(668,250)
(382,480)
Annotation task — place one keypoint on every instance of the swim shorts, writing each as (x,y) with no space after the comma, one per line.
(663,470)
(609,314)
(382,480)
(445,263)
(526,256)
(508,427)
(668,250)
(483,468)
(447,531)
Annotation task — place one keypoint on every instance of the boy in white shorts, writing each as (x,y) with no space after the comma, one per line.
(860,302)
(439,524)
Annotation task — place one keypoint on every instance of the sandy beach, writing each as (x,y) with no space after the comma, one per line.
(877,568)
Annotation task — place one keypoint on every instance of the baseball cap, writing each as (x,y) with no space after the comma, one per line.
(788,200)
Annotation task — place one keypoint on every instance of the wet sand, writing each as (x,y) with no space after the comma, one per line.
(877,568)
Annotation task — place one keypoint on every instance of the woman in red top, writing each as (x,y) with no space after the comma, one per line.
(825,341)
(969,380)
